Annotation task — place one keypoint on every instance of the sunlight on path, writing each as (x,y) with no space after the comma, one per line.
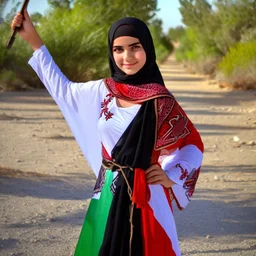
(223,208)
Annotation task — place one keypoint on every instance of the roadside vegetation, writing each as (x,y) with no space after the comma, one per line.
(219,39)
(75,32)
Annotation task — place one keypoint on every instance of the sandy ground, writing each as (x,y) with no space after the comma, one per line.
(46,185)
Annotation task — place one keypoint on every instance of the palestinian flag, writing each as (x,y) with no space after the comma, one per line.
(157,234)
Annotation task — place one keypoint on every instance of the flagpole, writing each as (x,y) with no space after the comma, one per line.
(12,38)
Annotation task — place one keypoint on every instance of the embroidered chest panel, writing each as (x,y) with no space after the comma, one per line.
(104,107)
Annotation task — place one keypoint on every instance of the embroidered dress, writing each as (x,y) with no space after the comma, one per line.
(98,124)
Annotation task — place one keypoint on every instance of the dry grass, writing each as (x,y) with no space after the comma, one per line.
(206,67)
(240,79)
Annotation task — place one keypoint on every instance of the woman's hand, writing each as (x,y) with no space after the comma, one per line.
(156,175)
(27,30)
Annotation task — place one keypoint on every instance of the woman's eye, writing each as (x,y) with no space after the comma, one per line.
(118,50)
(135,47)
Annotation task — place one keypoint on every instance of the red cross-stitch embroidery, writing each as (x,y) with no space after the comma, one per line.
(184,173)
(190,183)
(104,107)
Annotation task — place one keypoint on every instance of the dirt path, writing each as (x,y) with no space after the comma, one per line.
(45,183)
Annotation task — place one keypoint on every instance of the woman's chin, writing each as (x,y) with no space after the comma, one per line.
(130,72)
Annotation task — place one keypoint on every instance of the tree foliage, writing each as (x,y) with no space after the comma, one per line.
(239,66)
(214,28)
(62,4)
(162,42)
(108,11)
(75,32)
(176,33)
(194,12)
(222,26)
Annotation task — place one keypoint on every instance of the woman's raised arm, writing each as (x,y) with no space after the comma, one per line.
(27,30)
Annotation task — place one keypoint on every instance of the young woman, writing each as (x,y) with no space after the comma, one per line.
(139,142)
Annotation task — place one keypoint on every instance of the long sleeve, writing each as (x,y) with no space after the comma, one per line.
(79,102)
(183,165)
(49,73)
(180,164)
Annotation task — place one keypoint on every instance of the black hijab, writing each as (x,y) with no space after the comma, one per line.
(136,28)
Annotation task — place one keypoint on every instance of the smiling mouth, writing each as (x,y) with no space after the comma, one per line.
(129,65)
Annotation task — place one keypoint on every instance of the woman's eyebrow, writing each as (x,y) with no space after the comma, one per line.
(128,45)
(134,44)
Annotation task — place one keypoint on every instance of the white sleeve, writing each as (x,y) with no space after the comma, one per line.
(181,163)
(80,104)
(49,73)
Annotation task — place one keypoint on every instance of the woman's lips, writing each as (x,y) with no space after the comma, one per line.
(129,65)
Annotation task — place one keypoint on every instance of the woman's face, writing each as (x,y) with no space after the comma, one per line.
(129,54)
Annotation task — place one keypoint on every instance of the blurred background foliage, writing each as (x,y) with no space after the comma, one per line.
(219,39)
(75,32)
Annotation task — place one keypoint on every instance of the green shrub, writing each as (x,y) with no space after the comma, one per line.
(238,67)
(5,34)
(206,66)
(13,62)
(10,81)
(176,33)
(249,35)
(195,46)
(241,56)
(187,50)
(163,45)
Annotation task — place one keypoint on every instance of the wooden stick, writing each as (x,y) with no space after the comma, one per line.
(12,38)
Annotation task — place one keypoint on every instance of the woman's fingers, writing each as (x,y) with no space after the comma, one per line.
(155,180)
(19,18)
(156,175)
(151,173)
(17,21)
(27,30)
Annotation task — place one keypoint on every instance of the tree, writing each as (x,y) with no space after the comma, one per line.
(162,43)
(233,20)
(212,32)
(36,17)
(108,11)
(66,4)
(75,32)
(175,34)
(194,12)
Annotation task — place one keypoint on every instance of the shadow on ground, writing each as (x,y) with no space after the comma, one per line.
(215,217)
(229,169)
(69,187)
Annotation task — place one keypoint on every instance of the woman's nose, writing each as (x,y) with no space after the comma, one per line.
(128,55)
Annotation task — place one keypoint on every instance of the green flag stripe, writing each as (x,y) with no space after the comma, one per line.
(94,225)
